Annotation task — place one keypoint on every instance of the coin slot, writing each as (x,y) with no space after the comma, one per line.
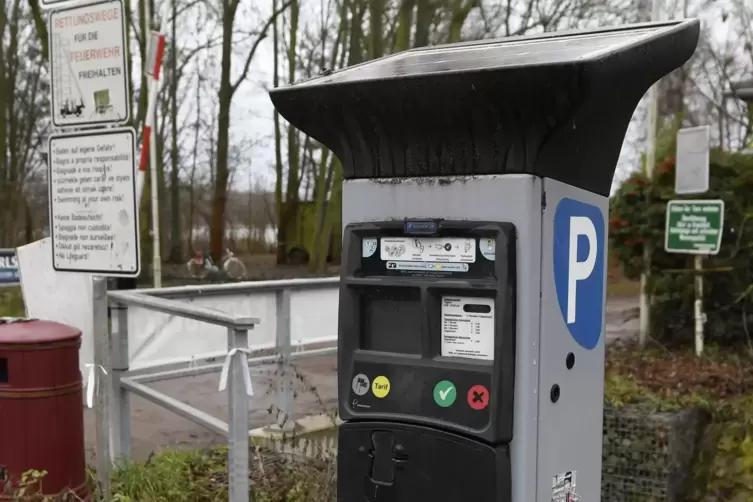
(3,370)
(475,308)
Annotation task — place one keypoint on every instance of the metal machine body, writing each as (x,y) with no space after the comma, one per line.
(475,202)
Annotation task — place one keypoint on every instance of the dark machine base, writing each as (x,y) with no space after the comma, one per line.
(394,462)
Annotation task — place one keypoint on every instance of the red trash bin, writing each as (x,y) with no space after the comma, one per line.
(41,405)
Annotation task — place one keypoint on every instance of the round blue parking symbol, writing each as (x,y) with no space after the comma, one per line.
(579,250)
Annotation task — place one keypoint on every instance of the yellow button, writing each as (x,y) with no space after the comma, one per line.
(380,386)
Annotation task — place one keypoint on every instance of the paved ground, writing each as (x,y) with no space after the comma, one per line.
(622,318)
(153,427)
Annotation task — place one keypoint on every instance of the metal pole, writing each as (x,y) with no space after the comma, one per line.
(284,367)
(151,114)
(120,402)
(238,461)
(101,356)
(699,314)
(653,105)
(156,258)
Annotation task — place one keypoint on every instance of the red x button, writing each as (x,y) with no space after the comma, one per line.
(478,397)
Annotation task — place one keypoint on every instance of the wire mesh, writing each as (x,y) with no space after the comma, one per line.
(647,457)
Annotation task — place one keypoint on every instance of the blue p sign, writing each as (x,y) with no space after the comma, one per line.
(579,269)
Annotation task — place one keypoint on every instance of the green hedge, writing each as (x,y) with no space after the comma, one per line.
(638,217)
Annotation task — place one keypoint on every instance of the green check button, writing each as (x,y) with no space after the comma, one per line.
(445,393)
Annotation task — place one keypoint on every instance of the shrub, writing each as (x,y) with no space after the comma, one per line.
(638,217)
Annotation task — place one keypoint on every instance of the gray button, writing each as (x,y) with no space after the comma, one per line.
(361,384)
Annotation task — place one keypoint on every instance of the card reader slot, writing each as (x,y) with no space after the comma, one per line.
(394,282)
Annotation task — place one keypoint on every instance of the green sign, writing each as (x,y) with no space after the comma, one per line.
(694,226)
(445,393)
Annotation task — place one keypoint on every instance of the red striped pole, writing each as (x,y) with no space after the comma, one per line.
(152,69)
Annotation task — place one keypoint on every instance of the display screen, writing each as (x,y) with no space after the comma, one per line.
(391,320)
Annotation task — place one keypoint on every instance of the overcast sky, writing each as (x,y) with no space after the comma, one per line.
(253,111)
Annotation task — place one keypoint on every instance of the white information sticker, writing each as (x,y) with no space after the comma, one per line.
(368,247)
(425,249)
(468,327)
(93,211)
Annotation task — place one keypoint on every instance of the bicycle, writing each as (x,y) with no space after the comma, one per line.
(201,265)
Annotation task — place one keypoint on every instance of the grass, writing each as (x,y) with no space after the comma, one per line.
(11,302)
(623,288)
(201,476)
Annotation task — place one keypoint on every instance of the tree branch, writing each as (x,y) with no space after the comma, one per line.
(262,35)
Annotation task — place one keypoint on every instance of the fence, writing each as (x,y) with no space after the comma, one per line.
(648,456)
(172,302)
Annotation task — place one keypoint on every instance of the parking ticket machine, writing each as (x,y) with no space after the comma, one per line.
(474,208)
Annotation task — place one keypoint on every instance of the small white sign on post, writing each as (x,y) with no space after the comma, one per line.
(94,218)
(88,65)
(692,157)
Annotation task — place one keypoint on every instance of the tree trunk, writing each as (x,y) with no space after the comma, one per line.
(376,15)
(460,11)
(281,234)
(288,208)
(176,247)
(323,181)
(424,16)
(222,170)
(404,25)
(145,209)
(333,222)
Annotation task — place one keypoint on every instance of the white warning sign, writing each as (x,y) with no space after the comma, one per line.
(429,249)
(468,327)
(89,65)
(93,211)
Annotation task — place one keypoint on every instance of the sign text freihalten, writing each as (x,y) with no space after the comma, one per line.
(88,65)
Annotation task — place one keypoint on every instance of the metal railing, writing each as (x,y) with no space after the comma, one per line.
(168,301)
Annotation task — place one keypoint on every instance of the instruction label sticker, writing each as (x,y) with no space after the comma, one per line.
(424,266)
(429,249)
(563,487)
(468,327)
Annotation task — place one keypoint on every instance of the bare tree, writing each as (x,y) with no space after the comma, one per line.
(23,112)
(227,89)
